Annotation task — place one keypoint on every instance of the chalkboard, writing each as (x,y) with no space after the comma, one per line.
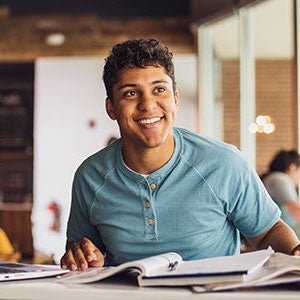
(16,119)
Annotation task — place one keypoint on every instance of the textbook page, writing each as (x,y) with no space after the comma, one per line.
(150,266)
(245,263)
(170,269)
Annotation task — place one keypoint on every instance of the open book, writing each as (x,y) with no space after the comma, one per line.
(169,269)
(279,269)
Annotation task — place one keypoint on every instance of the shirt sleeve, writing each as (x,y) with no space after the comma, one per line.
(251,208)
(79,225)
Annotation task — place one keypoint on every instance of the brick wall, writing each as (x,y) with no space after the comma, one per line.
(231,101)
(275,96)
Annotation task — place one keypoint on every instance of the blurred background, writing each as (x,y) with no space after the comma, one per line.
(236,68)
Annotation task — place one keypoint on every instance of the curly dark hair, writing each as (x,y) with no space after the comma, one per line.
(137,53)
(283,159)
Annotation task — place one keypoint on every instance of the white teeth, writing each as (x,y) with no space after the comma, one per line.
(149,121)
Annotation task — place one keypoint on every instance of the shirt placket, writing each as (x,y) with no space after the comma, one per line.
(150,218)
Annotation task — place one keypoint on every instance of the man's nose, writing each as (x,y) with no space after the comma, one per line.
(147,102)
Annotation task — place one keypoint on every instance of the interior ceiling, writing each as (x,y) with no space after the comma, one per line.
(91,27)
(103,8)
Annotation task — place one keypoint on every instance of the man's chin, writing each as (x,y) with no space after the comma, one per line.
(156,142)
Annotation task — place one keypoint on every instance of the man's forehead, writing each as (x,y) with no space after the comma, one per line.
(150,74)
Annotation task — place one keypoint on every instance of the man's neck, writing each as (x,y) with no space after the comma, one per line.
(148,160)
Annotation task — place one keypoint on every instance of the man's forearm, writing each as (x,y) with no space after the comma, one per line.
(280,237)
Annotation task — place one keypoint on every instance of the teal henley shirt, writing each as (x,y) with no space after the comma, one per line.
(197,204)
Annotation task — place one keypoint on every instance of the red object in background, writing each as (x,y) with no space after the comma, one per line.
(55,210)
(92,123)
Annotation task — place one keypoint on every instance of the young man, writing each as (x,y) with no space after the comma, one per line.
(160,188)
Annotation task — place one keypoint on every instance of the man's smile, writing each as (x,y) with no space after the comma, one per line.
(149,121)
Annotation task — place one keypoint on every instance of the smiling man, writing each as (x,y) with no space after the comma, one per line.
(144,105)
(160,188)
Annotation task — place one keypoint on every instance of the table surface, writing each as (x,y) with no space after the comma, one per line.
(126,288)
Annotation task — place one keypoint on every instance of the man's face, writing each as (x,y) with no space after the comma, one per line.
(144,106)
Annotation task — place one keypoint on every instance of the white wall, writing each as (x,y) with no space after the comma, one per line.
(69,93)
(186,78)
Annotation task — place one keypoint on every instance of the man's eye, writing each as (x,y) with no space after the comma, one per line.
(160,89)
(130,93)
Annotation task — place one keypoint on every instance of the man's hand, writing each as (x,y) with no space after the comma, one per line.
(296,251)
(81,255)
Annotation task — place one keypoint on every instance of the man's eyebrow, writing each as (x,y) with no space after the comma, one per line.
(160,81)
(135,84)
(127,85)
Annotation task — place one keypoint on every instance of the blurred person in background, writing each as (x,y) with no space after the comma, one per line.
(281,181)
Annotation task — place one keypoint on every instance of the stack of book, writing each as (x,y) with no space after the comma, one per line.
(257,268)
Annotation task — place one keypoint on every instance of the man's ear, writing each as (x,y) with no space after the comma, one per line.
(292,167)
(110,109)
(176,99)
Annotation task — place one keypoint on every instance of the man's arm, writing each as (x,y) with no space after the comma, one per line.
(280,237)
(81,255)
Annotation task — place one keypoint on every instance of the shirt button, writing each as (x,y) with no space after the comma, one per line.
(150,221)
(147,204)
(152,186)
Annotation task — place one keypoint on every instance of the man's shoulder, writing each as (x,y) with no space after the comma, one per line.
(276,178)
(103,160)
(203,145)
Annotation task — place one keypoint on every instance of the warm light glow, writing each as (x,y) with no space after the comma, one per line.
(55,39)
(262,124)
(260,129)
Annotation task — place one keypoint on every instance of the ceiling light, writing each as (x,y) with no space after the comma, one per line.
(262,124)
(55,39)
